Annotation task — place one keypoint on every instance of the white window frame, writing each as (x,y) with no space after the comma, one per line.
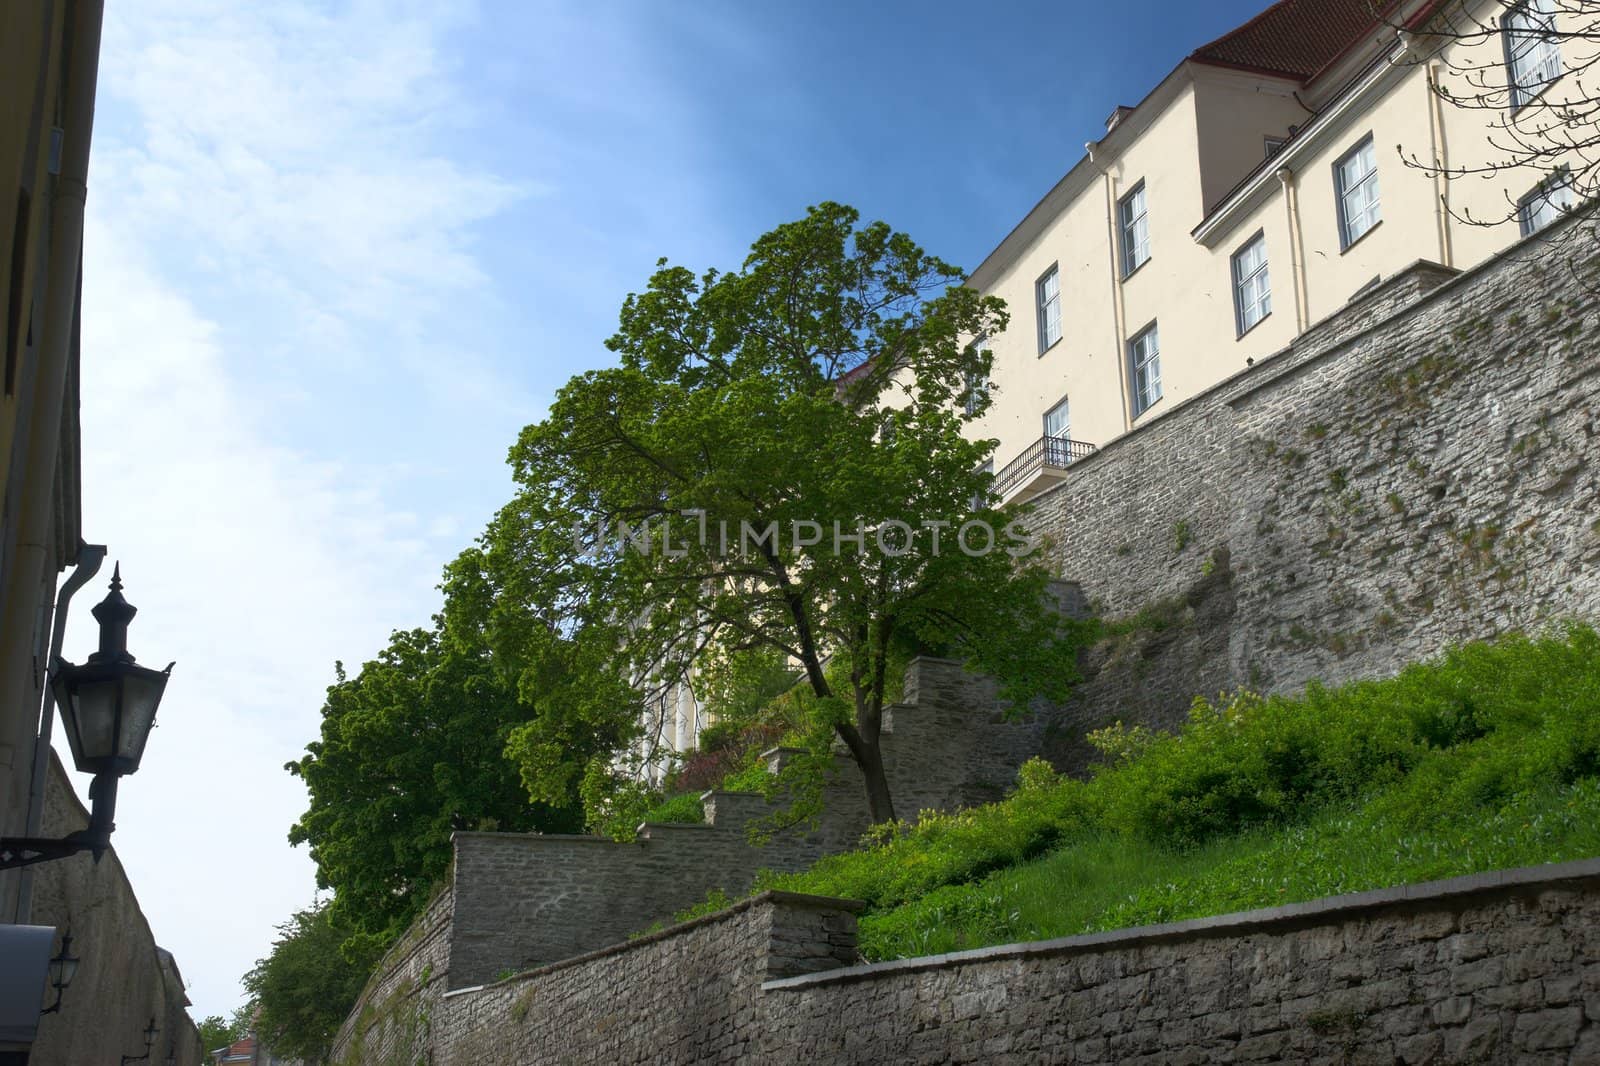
(1533,58)
(1546,202)
(1144,369)
(1066,419)
(1133,223)
(1252,285)
(1358,199)
(1048,303)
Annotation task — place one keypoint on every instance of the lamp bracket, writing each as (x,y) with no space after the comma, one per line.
(25,851)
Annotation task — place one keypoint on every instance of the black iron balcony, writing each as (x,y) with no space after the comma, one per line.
(1041,464)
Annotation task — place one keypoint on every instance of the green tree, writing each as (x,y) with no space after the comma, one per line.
(412,750)
(823,386)
(308,984)
(219,1032)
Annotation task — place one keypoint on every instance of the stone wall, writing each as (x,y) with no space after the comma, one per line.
(516,901)
(521,900)
(124,979)
(1412,473)
(405,984)
(1492,968)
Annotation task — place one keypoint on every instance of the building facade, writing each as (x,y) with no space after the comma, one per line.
(48,63)
(1275,174)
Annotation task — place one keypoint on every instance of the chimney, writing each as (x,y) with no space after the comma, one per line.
(1117,116)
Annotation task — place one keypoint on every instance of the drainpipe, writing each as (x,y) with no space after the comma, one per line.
(29,565)
(1415,51)
(1118,311)
(1297,249)
(1441,163)
(90,556)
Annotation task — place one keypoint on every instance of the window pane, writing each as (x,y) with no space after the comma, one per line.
(1357,180)
(1532,56)
(1545,204)
(977,384)
(1135,225)
(1144,358)
(1252,296)
(1049,298)
(1056,421)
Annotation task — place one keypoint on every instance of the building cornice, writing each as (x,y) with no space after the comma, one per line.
(1097,157)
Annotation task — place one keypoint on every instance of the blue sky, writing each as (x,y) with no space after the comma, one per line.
(339,253)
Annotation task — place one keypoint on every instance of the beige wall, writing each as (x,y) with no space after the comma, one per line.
(34,83)
(1234,114)
(1179,288)
(1191,153)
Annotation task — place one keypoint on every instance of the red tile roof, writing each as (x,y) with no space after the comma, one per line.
(1293,38)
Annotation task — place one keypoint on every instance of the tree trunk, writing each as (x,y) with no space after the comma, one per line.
(868,753)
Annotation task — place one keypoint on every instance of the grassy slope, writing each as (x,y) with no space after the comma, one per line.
(1486,759)
(1111,883)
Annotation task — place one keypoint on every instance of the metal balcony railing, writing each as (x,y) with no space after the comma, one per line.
(1042,453)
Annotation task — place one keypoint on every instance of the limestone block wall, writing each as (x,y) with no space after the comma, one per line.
(124,979)
(1414,472)
(689,994)
(1491,968)
(410,977)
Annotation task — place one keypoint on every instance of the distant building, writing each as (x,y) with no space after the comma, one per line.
(247,1051)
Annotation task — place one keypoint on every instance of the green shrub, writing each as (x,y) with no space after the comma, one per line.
(684,807)
(1256,800)
(899,862)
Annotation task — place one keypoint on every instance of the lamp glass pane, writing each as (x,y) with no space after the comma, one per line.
(95,704)
(141,695)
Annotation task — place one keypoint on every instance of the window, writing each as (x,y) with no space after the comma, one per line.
(1057,423)
(1533,60)
(1252,290)
(1047,290)
(1355,177)
(1144,370)
(1549,200)
(980,499)
(977,383)
(1135,222)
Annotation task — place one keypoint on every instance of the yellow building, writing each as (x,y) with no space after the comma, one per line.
(1276,173)
(49,55)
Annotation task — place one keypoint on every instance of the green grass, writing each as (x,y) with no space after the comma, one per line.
(1111,883)
(1484,759)
(680,807)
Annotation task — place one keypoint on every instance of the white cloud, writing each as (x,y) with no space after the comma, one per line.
(275,251)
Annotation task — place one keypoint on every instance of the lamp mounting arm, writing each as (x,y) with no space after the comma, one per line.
(96,837)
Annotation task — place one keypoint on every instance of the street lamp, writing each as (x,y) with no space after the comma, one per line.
(63,968)
(108,706)
(149,1042)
